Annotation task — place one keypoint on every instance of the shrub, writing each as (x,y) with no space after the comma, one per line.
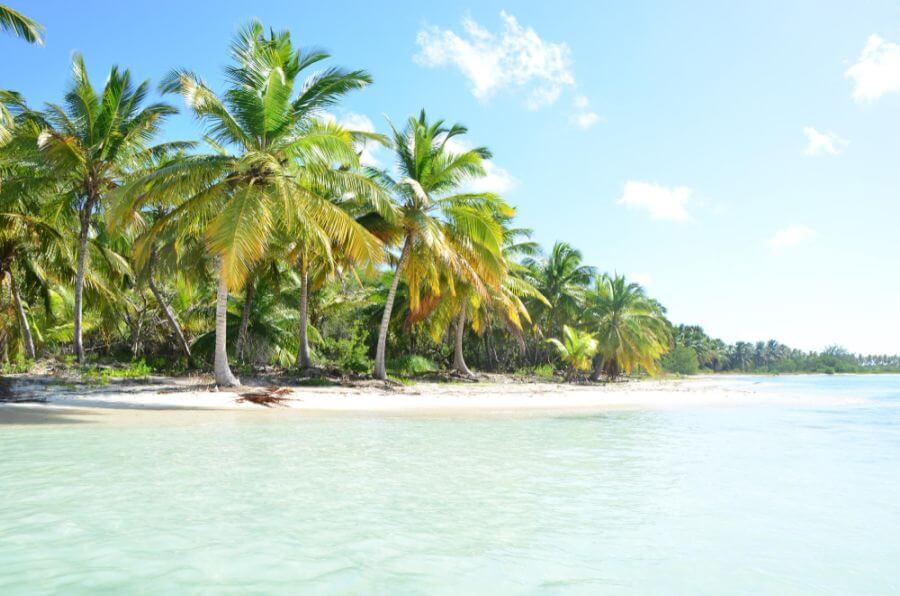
(410,366)
(543,371)
(348,353)
(681,360)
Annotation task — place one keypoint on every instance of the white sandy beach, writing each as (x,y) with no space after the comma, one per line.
(194,394)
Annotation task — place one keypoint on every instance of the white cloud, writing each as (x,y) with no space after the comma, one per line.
(515,58)
(660,202)
(822,142)
(877,71)
(583,116)
(496,179)
(367,149)
(585,119)
(792,235)
(641,278)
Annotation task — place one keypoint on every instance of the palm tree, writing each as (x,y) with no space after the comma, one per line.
(90,146)
(576,349)
(22,239)
(272,164)
(20,25)
(504,300)
(631,327)
(439,225)
(562,279)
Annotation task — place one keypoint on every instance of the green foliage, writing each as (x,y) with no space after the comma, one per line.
(681,360)
(773,357)
(410,366)
(15,367)
(138,369)
(631,327)
(576,348)
(349,353)
(541,371)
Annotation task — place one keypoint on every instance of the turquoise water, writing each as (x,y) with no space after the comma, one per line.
(795,499)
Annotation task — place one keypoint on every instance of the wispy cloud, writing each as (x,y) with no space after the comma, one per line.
(516,58)
(793,235)
(584,117)
(877,71)
(659,201)
(818,143)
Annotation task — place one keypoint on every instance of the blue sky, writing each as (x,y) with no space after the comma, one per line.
(740,159)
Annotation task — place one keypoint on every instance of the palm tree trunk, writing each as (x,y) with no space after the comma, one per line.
(224,377)
(380,371)
(249,292)
(79,278)
(304,362)
(23,319)
(598,368)
(459,361)
(170,316)
(4,332)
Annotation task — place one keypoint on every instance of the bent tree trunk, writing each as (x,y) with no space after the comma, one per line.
(85,217)
(303,360)
(170,317)
(23,319)
(241,345)
(224,377)
(459,361)
(380,371)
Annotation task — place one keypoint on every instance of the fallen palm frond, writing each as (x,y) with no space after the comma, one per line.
(268,396)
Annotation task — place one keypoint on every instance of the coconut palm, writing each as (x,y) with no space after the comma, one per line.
(503,300)
(90,145)
(576,349)
(20,25)
(446,234)
(562,279)
(631,327)
(273,159)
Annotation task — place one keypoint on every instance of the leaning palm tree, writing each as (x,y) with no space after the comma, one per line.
(90,145)
(439,224)
(500,303)
(576,349)
(272,158)
(631,327)
(20,25)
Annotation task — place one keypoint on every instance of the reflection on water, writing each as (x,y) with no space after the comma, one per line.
(756,499)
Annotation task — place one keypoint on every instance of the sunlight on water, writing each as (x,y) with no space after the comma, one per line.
(704,500)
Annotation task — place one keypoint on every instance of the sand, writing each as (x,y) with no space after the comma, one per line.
(198,394)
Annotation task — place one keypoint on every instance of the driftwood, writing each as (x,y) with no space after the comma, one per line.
(268,397)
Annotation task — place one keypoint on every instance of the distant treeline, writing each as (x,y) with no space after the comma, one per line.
(695,351)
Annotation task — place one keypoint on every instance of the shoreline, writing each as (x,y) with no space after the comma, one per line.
(195,394)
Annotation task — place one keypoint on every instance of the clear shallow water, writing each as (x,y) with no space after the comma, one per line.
(745,500)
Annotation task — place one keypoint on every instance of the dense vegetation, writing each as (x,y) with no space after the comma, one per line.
(266,243)
(695,351)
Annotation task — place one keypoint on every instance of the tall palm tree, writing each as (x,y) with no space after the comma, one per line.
(439,224)
(631,328)
(90,145)
(20,25)
(562,279)
(273,158)
(503,300)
